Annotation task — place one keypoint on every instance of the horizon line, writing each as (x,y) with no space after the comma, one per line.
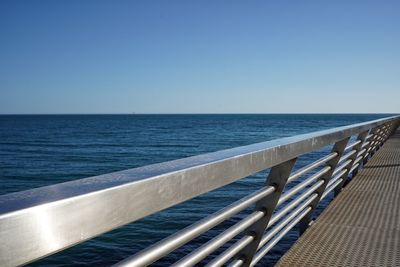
(205,113)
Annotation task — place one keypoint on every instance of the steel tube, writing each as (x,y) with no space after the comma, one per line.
(339,148)
(336,177)
(354,167)
(202,252)
(331,187)
(303,184)
(291,205)
(311,166)
(368,136)
(352,145)
(341,167)
(358,159)
(365,144)
(236,263)
(277,177)
(231,251)
(347,155)
(287,220)
(277,238)
(180,238)
(361,152)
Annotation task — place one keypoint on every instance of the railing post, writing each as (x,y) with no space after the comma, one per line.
(361,137)
(386,133)
(376,140)
(277,177)
(338,148)
(392,129)
(373,132)
(380,135)
(380,138)
(396,125)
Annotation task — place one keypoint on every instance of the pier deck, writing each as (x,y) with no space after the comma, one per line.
(361,227)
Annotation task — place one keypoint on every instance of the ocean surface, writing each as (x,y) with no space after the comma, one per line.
(40,150)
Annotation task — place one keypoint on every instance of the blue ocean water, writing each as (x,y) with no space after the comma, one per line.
(40,150)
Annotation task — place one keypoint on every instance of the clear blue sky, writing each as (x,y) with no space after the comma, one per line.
(199,56)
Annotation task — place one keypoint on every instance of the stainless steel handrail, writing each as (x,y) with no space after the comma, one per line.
(347,155)
(264,250)
(302,185)
(311,166)
(209,247)
(294,203)
(38,222)
(352,145)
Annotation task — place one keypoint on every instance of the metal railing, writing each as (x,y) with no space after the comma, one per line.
(42,221)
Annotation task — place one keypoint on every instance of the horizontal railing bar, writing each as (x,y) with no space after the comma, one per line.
(341,167)
(231,251)
(311,166)
(373,145)
(331,187)
(352,145)
(346,156)
(303,184)
(202,252)
(361,152)
(266,237)
(336,177)
(273,242)
(369,151)
(291,205)
(236,263)
(374,141)
(115,199)
(358,159)
(368,136)
(365,144)
(180,238)
(354,167)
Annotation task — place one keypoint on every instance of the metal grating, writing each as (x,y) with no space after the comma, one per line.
(361,227)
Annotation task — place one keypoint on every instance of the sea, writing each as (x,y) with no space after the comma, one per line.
(41,150)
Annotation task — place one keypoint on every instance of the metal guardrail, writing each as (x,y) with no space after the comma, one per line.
(39,222)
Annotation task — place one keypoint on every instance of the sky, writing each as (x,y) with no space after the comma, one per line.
(199,56)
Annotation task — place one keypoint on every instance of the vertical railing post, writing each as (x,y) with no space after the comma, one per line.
(380,138)
(392,129)
(376,140)
(361,137)
(396,125)
(389,131)
(386,133)
(363,155)
(369,147)
(277,178)
(338,148)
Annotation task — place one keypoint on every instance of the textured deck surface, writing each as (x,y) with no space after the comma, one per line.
(361,227)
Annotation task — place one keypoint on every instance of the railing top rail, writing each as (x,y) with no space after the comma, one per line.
(58,216)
